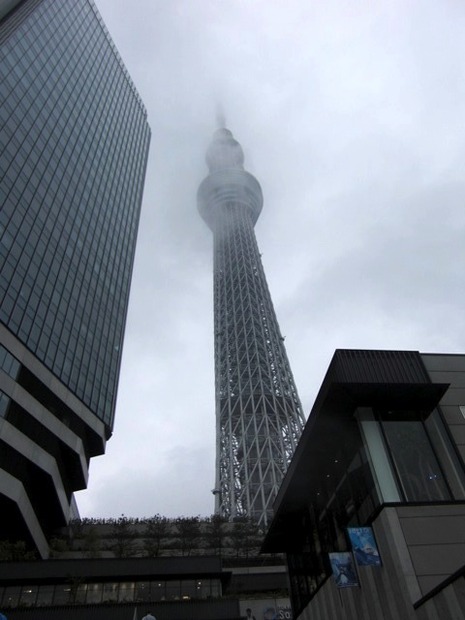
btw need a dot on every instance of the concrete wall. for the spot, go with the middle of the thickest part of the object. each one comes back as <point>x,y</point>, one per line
<point>409,540</point>
<point>450,369</point>
<point>449,603</point>
<point>435,537</point>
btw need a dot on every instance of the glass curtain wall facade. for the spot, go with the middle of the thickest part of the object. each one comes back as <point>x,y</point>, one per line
<point>94,593</point>
<point>74,142</point>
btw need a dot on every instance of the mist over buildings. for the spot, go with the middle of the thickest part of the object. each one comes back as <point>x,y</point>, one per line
<point>351,119</point>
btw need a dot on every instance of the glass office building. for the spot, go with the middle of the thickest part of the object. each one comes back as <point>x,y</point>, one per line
<point>74,142</point>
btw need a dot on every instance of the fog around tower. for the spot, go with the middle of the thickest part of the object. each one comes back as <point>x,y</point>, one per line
<point>351,117</point>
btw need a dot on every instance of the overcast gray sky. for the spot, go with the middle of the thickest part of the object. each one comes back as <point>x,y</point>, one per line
<point>351,115</point>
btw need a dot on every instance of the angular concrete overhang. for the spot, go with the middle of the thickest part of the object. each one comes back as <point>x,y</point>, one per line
<point>71,444</point>
<point>37,458</point>
<point>14,489</point>
<point>384,379</point>
<point>95,431</point>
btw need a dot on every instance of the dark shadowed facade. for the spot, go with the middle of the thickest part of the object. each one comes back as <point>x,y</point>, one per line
<point>384,447</point>
<point>114,588</point>
<point>74,144</point>
<point>173,588</point>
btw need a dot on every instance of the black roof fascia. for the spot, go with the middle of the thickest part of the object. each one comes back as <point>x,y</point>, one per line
<point>111,569</point>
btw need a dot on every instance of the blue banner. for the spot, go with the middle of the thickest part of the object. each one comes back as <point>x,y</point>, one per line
<point>364,546</point>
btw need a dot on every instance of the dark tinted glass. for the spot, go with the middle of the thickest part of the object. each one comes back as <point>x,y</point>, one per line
<point>73,144</point>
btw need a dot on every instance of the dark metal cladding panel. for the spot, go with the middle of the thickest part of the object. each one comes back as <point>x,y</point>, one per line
<point>109,568</point>
<point>362,366</point>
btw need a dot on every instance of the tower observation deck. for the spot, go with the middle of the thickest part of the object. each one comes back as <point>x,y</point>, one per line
<point>258,412</point>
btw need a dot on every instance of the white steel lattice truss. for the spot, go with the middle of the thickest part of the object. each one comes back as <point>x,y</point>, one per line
<point>258,412</point>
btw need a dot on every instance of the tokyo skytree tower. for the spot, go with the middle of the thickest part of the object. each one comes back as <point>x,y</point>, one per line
<point>258,412</point>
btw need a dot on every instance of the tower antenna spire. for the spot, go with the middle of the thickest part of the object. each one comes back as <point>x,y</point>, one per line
<point>220,116</point>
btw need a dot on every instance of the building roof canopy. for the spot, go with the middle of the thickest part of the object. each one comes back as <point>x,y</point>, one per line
<point>384,380</point>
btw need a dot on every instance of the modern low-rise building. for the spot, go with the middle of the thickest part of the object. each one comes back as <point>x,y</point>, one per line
<point>173,588</point>
<point>179,568</point>
<point>383,449</point>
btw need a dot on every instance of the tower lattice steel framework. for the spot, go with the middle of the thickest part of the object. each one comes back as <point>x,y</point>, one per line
<point>258,412</point>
